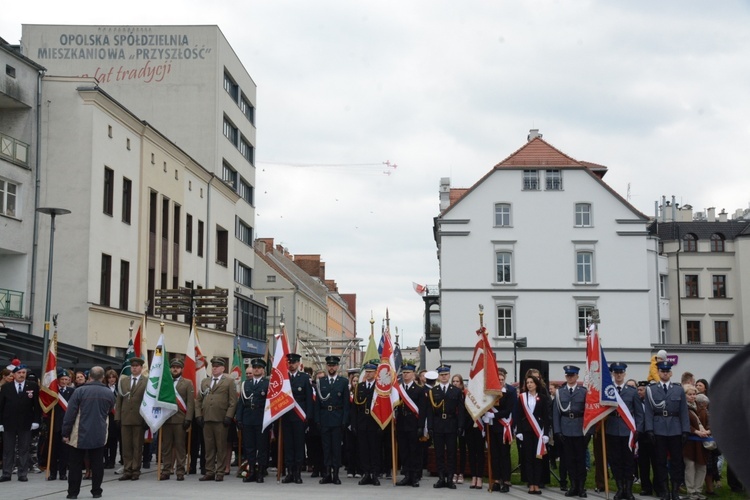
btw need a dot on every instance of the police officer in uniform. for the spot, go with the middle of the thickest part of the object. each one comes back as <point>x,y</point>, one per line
<point>250,409</point>
<point>215,409</point>
<point>410,419</point>
<point>617,433</point>
<point>332,414</point>
<point>132,426</point>
<point>293,425</point>
<point>173,437</point>
<point>368,432</point>
<point>567,422</point>
<point>667,424</point>
<point>646,459</point>
<point>445,420</point>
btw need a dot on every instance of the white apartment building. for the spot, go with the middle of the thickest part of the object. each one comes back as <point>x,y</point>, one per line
<point>540,241</point>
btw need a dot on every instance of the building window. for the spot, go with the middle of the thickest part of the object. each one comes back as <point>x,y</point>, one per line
<point>583,214</point>
<point>553,180</point>
<point>691,285</point>
<point>243,274</point>
<point>230,132</point>
<point>105,280</point>
<point>247,150</point>
<point>503,260</point>
<point>584,267</point>
<point>690,243</point>
<point>271,278</point>
<point>232,88</point>
<point>124,284</point>
<point>505,321</point>
<point>717,242</point>
<point>248,110</point>
<point>246,191</point>
<point>188,232</point>
<point>243,232</point>
<point>8,194</point>
<point>664,330</point>
<point>693,332</point>
<point>721,332</point>
<point>531,180</point>
<point>127,191</point>
<point>584,316</point>
<point>200,238</point>
<point>10,71</point>
<point>502,214</point>
<point>229,175</point>
<point>663,290</point>
<point>222,246</point>
<point>165,218</point>
<point>719,285</point>
<point>177,225</point>
<point>109,190</point>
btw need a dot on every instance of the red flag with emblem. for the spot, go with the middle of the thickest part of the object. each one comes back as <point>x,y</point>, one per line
<point>279,399</point>
<point>484,382</point>
<point>49,394</point>
<point>386,397</point>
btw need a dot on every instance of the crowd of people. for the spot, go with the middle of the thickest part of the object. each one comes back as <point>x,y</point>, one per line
<point>659,438</point>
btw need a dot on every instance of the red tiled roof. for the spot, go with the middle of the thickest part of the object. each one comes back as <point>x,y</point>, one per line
<point>538,153</point>
<point>456,194</point>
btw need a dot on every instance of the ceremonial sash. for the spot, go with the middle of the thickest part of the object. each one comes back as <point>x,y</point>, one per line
<point>624,412</point>
<point>507,424</point>
<point>407,400</point>
<point>180,402</point>
<point>541,450</point>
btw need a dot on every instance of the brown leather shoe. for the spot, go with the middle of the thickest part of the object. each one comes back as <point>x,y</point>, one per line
<point>125,477</point>
<point>135,478</point>
<point>207,477</point>
<point>180,477</point>
<point>164,477</point>
<point>219,479</point>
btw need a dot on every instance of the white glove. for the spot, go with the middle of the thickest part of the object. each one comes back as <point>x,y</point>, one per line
<point>545,439</point>
<point>2,428</point>
<point>34,426</point>
<point>519,437</point>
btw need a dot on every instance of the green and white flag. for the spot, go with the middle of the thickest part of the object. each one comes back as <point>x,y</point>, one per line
<point>160,401</point>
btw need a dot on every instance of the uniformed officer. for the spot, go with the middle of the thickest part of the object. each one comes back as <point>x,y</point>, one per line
<point>445,420</point>
<point>617,433</point>
<point>250,409</point>
<point>132,426</point>
<point>567,422</point>
<point>217,402</point>
<point>332,414</point>
<point>668,425</point>
<point>368,431</point>
<point>293,425</point>
<point>173,450</point>
<point>502,435</point>
<point>410,420</point>
<point>59,459</point>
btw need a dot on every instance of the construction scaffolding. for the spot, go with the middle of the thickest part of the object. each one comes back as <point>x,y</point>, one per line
<point>317,349</point>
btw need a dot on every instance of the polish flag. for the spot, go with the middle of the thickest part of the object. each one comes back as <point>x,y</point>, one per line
<point>280,399</point>
<point>195,361</point>
<point>49,394</point>
<point>420,289</point>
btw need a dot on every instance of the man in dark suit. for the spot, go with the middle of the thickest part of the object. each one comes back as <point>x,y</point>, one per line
<point>332,414</point>
<point>617,433</point>
<point>567,422</point>
<point>293,426</point>
<point>445,419</point>
<point>250,408</point>
<point>667,424</point>
<point>502,435</point>
<point>410,419</point>
<point>368,432</point>
<point>19,415</point>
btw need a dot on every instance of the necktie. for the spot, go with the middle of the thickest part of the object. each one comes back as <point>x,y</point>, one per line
<point>19,388</point>
<point>330,380</point>
<point>445,389</point>
<point>665,387</point>
<point>619,389</point>
<point>133,382</point>
<point>214,383</point>
<point>571,390</point>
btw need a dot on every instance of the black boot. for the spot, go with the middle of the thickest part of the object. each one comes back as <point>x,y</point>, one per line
<point>365,479</point>
<point>289,478</point>
<point>581,487</point>
<point>406,481</point>
<point>327,479</point>
<point>374,480</point>
<point>449,482</point>
<point>260,473</point>
<point>619,493</point>
<point>336,479</point>
<point>415,479</point>
<point>250,477</point>
<point>298,474</point>
<point>629,490</point>
<point>676,492</point>
<point>440,482</point>
<point>573,490</point>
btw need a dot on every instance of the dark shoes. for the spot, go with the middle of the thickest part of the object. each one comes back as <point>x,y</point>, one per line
<point>23,479</point>
<point>164,477</point>
<point>125,477</point>
<point>207,477</point>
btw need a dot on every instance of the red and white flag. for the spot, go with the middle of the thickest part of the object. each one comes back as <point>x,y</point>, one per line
<point>484,382</point>
<point>49,393</point>
<point>385,398</point>
<point>280,399</point>
<point>195,361</point>
<point>420,289</point>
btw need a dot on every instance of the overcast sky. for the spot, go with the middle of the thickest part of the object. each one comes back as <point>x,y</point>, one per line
<point>656,91</point>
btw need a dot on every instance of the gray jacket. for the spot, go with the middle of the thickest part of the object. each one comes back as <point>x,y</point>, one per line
<point>567,411</point>
<point>666,413</point>
<point>615,425</point>
<point>86,419</point>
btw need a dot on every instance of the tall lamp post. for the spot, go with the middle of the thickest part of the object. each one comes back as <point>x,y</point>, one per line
<point>52,212</point>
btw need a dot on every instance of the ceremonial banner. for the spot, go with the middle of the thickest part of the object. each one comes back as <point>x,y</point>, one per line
<point>279,399</point>
<point>484,382</point>
<point>370,353</point>
<point>159,401</point>
<point>601,398</point>
<point>385,398</point>
<point>195,361</point>
<point>49,393</point>
<point>238,367</point>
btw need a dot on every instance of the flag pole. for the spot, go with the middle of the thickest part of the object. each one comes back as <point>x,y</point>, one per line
<point>604,457</point>
<point>52,410</point>
<point>161,434</point>
<point>279,453</point>
<point>487,427</point>
<point>393,423</point>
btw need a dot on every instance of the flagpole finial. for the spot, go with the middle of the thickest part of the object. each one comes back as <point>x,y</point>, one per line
<point>481,316</point>
<point>54,319</point>
<point>161,325</point>
<point>372,319</point>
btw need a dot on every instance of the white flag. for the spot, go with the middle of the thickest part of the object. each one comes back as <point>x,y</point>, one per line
<point>159,401</point>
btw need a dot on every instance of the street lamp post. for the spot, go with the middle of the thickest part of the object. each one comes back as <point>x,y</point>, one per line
<point>52,212</point>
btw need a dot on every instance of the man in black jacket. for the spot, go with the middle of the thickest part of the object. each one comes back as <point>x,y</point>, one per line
<point>410,419</point>
<point>85,430</point>
<point>445,419</point>
<point>250,409</point>
<point>19,415</point>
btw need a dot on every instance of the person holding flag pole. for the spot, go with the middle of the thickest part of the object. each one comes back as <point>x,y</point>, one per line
<point>195,372</point>
<point>172,436</point>
<point>49,395</point>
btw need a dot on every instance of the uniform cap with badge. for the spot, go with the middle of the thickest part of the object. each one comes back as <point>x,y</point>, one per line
<point>332,360</point>
<point>217,361</point>
<point>571,370</point>
<point>258,363</point>
<point>618,367</point>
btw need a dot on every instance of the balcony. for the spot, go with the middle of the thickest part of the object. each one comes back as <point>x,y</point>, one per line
<point>14,150</point>
<point>11,303</point>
